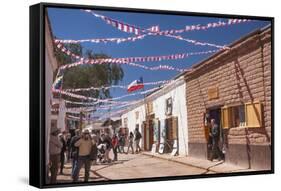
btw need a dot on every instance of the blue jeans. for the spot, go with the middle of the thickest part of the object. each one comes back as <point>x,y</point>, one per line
<point>74,165</point>
<point>82,160</point>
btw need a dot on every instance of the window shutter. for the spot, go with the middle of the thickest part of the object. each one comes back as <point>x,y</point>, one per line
<point>156,125</point>
<point>226,117</point>
<point>253,114</point>
<point>175,128</point>
<point>169,129</point>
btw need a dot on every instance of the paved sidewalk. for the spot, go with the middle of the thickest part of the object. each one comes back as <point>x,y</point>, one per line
<point>210,167</point>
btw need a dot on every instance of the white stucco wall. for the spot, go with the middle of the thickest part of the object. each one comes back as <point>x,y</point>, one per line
<point>179,110</point>
<point>177,93</point>
<point>131,116</point>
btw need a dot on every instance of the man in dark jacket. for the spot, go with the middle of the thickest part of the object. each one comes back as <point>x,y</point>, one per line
<point>74,150</point>
<point>138,137</point>
<point>63,150</point>
<point>214,134</point>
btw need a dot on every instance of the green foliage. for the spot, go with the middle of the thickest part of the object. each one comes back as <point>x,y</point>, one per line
<point>85,76</point>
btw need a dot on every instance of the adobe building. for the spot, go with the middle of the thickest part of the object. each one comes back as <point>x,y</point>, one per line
<point>161,119</point>
<point>233,87</point>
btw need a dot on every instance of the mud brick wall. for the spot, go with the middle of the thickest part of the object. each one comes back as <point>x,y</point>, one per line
<point>242,74</point>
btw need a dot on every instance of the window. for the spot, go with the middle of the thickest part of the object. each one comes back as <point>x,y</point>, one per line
<point>156,131</point>
<point>233,116</point>
<point>238,116</point>
<point>172,128</point>
<point>169,106</point>
<point>248,115</point>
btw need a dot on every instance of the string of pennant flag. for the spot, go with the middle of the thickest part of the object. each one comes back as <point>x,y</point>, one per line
<point>133,59</point>
<point>129,60</point>
<point>109,102</point>
<point>102,100</point>
<point>107,107</point>
<point>116,86</point>
<point>153,68</point>
<point>125,61</point>
<point>114,103</point>
<point>187,28</point>
<point>140,37</point>
<point>128,28</point>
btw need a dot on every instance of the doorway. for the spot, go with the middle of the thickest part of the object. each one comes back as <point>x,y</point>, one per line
<point>214,113</point>
<point>148,133</point>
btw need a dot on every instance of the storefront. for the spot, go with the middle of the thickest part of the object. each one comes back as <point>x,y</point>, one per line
<point>233,87</point>
<point>166,122</point>
<point>161,119</point>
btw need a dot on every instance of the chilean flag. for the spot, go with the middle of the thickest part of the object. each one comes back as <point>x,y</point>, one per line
<point>135,85</point>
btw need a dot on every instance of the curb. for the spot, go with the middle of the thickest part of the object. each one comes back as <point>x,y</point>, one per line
<point>183,163</point>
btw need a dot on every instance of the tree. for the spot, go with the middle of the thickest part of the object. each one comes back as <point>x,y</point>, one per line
<point>85,76</point>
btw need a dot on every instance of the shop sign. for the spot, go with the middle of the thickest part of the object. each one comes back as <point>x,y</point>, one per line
<point>213,93</point>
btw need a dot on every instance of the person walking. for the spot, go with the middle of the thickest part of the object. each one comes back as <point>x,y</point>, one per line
<point>85,146</point>
<point>106,140</point>
<point>115,146</point>
<point>55,147</point>
<point>214,134</point>
<point>122,143</point>
<point>74,151</point>
<point>138,137</point>
<point>119,141</point>
<point>94,151</point>
<point>63,150</point>
<point>131,141</point>
<point>68,141</point>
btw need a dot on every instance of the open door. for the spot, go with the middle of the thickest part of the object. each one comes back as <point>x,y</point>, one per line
<point>212,113</point>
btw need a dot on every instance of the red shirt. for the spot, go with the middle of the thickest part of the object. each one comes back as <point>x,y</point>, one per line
<point>114,141</point>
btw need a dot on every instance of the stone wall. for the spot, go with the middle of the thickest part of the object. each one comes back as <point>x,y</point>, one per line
<point>241,74</point>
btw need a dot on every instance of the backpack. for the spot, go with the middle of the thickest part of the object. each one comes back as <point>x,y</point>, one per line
<point>138,135</point>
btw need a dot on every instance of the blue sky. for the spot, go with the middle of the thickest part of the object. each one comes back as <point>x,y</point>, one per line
<point>77,24</point>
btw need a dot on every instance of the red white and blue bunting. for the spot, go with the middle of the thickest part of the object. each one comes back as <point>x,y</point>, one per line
<point>116,86</point>
<point>114,103</point>
<point>128,28</point>
<point>102,100</point>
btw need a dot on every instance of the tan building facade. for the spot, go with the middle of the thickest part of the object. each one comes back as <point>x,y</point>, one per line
<point>234,87</point>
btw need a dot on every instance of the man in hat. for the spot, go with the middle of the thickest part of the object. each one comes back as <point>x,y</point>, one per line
<point>55,147</point>
<point>74,151</point>
<point>62,139</point>
<point>138,137</point>
<point>85,145</point>
<point>215,141</point>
